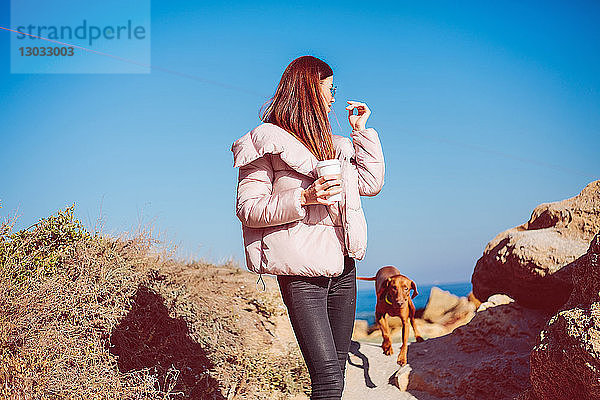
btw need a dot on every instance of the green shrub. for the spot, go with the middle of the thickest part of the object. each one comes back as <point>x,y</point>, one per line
<point>39,250</point>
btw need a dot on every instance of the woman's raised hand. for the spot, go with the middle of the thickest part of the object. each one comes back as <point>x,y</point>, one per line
<point>320,190</point>
<point>358,122</point>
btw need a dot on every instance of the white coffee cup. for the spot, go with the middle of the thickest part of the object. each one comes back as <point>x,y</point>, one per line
<point>330,167</point>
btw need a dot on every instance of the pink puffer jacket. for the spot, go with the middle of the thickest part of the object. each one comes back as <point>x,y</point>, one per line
<point>282,237</point>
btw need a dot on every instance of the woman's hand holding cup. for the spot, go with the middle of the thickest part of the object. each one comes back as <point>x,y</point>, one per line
<point>321,189</point>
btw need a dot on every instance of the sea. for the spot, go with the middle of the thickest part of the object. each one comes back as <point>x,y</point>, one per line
<point>366,298</point>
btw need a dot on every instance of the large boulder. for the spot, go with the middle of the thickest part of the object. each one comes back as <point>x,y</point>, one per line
<point>447,309</point>
<point>525,262</point>
<point>360,330</point>
<point>439,303</point>
<point>488,358</point>
<point>565,363</point>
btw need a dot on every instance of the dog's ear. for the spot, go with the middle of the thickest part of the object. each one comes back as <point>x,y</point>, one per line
<point>413,286</point>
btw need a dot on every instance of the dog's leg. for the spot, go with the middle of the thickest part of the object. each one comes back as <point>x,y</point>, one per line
<point>404,349</point>
<point>386,345</point>
<point>411,309</point>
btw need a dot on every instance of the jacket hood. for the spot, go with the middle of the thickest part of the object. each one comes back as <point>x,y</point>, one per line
<point>270,138</point>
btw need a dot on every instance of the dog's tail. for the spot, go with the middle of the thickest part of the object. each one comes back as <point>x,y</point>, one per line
<point>366,279</point>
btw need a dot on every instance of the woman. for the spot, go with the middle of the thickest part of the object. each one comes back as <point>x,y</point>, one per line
<point>290,227</point>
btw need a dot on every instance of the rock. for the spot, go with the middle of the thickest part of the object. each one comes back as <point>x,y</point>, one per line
<point>527,395</point>
<point>400,377</point>
<point>439,303</point>
<point>495,300</point>
<point>488,358</point>
<point>448,310</point>
<point>360,329</point>
<point>565,362</point>
<point>429,330</point>
<point>395,323</point>
<point>471,297</point>
<point>461,314</point>
<point>525,262</point>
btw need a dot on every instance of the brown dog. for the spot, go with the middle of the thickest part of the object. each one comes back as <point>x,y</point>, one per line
<point>393,298</point>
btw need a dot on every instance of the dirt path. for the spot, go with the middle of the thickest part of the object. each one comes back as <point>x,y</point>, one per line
<point>369,371</point>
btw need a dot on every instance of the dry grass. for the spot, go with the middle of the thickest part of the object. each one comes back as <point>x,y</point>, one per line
<point>94,317</point>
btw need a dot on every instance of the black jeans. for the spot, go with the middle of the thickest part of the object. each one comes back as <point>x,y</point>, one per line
<point>321,311</point>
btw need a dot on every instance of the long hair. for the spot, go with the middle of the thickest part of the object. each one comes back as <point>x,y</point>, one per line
<point>298,106</point>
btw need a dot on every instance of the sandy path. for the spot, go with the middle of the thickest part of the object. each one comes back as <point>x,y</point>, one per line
<point>368,372</point>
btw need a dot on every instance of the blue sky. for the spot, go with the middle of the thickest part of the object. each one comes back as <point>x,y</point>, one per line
<point>484,110</point>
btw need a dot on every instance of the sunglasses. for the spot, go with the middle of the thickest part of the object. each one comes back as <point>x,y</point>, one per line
<point>332,89</point>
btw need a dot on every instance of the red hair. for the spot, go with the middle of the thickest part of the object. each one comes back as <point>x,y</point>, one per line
<point>298,105</point>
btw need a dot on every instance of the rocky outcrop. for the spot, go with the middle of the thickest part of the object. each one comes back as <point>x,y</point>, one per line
<point>447,309</point>
<point>486,359</point>
<point>526,262</point>
<point>565,363</point>
<point>360,330</point>
<point>439,303</point>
